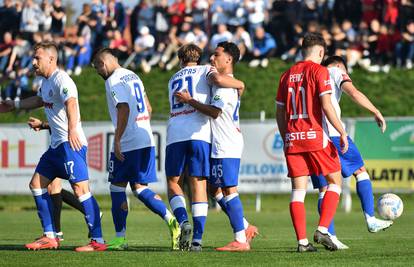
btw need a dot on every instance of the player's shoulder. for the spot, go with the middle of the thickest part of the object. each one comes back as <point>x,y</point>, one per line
<point>335,71</point>
<point>61,78</point>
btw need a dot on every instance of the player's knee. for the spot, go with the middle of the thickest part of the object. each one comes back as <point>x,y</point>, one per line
<point>80,190</point>
<point>124,206</point>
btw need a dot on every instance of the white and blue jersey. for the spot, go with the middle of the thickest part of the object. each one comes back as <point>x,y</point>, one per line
<point>60,160</point>
<point>189,131</point>
<point>227,141</point>
<point>351,161</point>
<point>137,141</point>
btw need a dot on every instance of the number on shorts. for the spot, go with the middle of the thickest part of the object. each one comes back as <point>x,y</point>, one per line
<point>304,113</point>
<point>217,171</point>
<point>69,167</point>
<point>111,166</point>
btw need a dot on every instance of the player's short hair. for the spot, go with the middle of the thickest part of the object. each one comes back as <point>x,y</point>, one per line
<point>103,51</point>
<point>50,46</point>
<point>310,40</point>
<point>232,49</point>
<point>189,53</point>
<point>334,59</point>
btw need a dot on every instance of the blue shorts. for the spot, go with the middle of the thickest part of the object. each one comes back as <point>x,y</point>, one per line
<point>351,161</point>
<point>138,167</point>
<point>65,163</point>
<point>224,172</point>
<point>193,153</point>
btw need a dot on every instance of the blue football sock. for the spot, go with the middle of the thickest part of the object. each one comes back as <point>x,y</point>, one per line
<point>44,210</point>
<point>119,209</point>
<point>178,206</point>
<point>199,210</point>
<point>147,196</point>
<point>331,228</point>
<point>235,212</point>
<point>92,215</point>
<point>364,190</point>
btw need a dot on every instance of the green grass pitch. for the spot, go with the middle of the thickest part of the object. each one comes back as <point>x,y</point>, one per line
<point>149,240</point>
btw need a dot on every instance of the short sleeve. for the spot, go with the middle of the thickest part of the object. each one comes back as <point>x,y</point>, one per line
<point>119,94</point>
<point>219,98</point>
<point>210,70</point>
<point>67,89</point>
<point>281,93</point>
<point>339,77</point>
<point>323,81</point>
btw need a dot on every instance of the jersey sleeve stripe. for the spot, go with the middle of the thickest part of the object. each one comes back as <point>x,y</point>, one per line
<point>280,103</point>
<point>344,81</point>
<point>326,92</point>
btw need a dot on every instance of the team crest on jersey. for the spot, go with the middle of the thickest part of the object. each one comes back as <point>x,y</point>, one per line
<point>50,93</point>
<point>65,91</point>
<point>113,93</point>
<point>216,97</point>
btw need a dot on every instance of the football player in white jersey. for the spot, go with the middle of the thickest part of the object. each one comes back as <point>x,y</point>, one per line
<point>188,141</point>
<point>133,156</point>
<point>351,161</point>
<point>227,140</point>
<point>66,156</point>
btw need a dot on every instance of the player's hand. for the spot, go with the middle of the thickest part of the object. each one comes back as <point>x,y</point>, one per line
<point>74,140</point>
<point>117,151</point>
<point>380,121</point>
<point>344,143</point>
<point>183,96</point>
<point>35,124</point>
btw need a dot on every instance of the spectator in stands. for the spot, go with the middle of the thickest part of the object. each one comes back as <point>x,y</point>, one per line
<point>243,41</point>
<point>9,18</point>
<point>405,48</point>
<point>17,86</point>
<point>80,58</point>
<point>119,45</point>
<point>58,18</point>
<point>222,35</point>
<point>30,19</point>
<point>200,13</point>
<point>87,25</point>
<point>264,46</point>
<point>143,49</point>
<point>45,16</point>
<point>22,53</point>
<point>256,14</point>
<point>116,13</point>
<point>176,12</point>
<point>5,50</point>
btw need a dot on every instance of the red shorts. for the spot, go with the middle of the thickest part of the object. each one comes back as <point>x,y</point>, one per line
<point>323,161</point>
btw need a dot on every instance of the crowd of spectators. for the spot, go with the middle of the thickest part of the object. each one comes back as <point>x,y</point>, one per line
<point>374,34</point>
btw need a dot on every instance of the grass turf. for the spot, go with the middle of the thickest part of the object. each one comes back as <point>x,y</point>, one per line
<point>149,239</point>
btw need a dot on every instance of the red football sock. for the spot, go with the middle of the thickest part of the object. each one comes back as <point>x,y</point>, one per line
<point>329,205</point>
<point>298,215</point>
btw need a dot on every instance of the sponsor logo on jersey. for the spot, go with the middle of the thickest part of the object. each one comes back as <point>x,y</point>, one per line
<point>216,98</point>
<point>113,93</point>
<point>50,93</point>
<point>65,91</point>
<point>300,136</point>
<point>327,82</point>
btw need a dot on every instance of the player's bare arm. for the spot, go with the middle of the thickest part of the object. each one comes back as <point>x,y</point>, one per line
<point>333,119</point>
<point>122,121</point>
<point>281,120</point>
<point>226,81</point>
<point>362,100</point>
<point>27,103</point>
<point>73,120</point>
<point>185,97</point>
<point>148,104</point>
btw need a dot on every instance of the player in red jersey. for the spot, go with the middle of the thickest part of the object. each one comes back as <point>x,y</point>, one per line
<point>303,98</point>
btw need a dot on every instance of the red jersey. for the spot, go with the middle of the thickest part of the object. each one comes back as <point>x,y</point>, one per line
<point>299,92</point>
